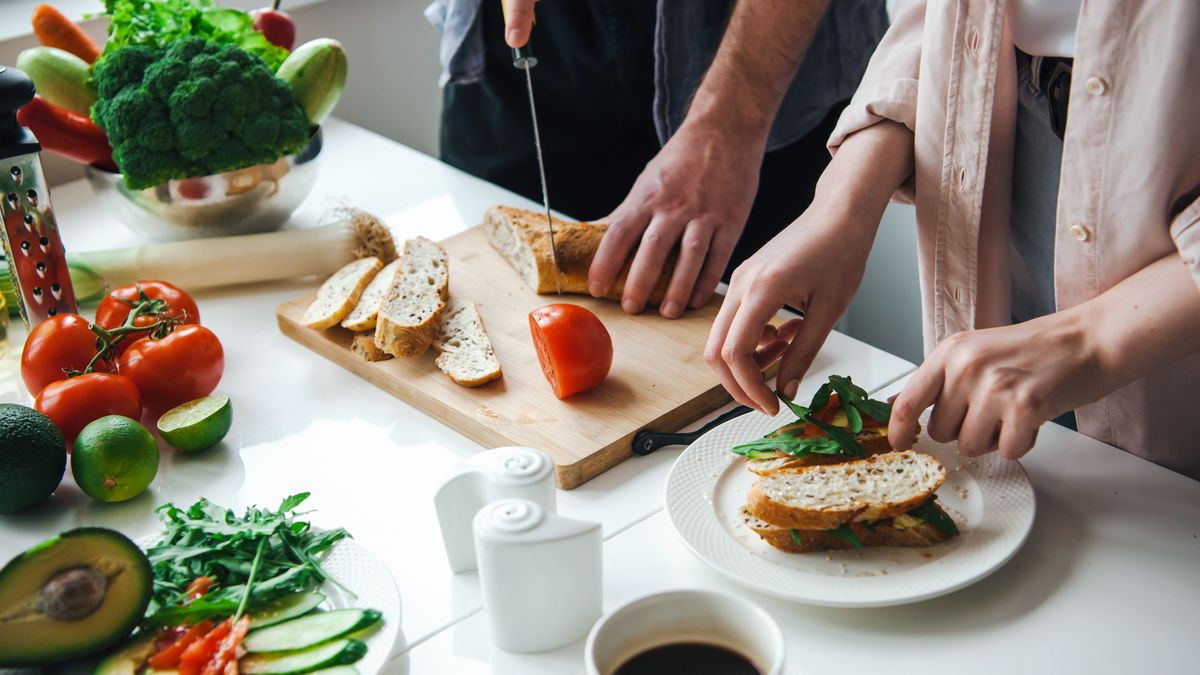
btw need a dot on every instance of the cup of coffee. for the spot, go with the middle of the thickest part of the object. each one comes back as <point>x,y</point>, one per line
<point>686,631</point>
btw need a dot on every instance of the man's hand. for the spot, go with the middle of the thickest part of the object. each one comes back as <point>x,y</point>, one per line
<point>694,195</point>
<point>518,22</point>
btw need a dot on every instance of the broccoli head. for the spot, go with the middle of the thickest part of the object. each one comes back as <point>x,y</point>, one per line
<point>193,109</point>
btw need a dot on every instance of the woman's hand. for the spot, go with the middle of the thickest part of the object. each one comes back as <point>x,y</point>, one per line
<point>991,389</point>
<point>815,266</point>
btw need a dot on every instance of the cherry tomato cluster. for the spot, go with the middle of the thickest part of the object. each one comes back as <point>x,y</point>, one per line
<point>146,351</point>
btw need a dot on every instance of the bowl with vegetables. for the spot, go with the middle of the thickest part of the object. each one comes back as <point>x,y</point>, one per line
<point>199,120</point>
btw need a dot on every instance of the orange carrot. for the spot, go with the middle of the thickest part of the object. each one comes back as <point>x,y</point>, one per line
<point>53,29</point>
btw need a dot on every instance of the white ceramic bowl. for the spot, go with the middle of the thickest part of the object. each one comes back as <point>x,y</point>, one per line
<point>686,615</point>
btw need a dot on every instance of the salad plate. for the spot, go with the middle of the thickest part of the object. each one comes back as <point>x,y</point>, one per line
<point>990,499</point>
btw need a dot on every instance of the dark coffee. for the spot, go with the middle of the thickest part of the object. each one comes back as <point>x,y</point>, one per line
<point>694,658</point>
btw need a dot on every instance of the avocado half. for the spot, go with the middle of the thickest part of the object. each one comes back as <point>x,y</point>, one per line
<point>71,595</point>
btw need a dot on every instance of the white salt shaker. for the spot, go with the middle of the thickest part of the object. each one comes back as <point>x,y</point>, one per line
<point>541,575</point>
<point>502,473</point>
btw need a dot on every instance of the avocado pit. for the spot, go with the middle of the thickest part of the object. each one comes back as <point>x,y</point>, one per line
<point>73,594</point>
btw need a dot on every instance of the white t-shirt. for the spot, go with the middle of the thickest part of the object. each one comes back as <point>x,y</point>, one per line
<point>1045,27</point>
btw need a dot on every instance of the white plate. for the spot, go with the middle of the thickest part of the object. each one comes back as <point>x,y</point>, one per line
<point>990,499</point>
<point>371,587</point>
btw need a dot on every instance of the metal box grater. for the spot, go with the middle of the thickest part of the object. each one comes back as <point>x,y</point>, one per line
<point>32,245</point>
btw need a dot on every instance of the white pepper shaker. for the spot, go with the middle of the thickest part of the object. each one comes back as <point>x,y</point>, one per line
<point>540,573</point>
<point>502,473</point>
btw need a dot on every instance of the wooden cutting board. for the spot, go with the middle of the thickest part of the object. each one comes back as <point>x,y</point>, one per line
<point>658,380</point>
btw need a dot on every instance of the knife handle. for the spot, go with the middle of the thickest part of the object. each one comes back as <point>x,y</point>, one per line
<point>523,57</point>
<point>646,442</point>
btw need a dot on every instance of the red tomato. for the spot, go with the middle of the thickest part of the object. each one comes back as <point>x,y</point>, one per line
<point>59,343</point>
<point>171,653</point>
<point>200,652</point>
<point>74,403</point>
<point>178,368</point>
<point>114,308</point>
<point>573,347</point>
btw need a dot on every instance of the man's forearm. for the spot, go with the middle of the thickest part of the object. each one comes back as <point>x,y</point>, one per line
<point>762,48</point>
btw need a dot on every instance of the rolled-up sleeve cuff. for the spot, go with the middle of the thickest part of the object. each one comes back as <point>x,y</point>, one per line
<point>891,100</point>
<point>1185,230</point>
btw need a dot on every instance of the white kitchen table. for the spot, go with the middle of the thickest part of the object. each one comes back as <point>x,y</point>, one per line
<point>302,423</point>
<point>1108,582</point>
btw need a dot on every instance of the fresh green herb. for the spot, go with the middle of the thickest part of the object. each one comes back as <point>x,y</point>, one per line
<point>158,23</point>
<point>837,440</point>
<point>933,514</point>
<point>254,558</point>
<point>870,526</point>
<point>796,446</point>
<point>854,397</point>
<point>821,398</point>
<point>846,534</point>
<point>795,537</point>
<point>843,438</point>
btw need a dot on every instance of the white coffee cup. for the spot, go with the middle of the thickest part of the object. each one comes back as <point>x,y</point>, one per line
<point>686,615</point>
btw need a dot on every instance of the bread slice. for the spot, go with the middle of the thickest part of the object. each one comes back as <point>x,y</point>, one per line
<point>466,352</point>
<point>339,294</point>
<point>823,497</point>
<point>890,532</point>
<point>363,316</point>
<point>412,312</point>
<point>523,239</point>
<point>874,441</point>
<point>363,346</point>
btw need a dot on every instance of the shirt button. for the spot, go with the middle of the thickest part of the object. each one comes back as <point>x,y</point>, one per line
<point>1080,232</point>
<point>1096,86</point>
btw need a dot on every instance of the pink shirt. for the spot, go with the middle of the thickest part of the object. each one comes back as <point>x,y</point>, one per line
<point>1129,192</point>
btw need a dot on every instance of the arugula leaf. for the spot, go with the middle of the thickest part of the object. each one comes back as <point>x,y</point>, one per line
<point>843,438</point>
<point>796,446</point>
<point>853,419</point>
<point>795,537</point>
<point>800,411</point>
<point>933,514</point>
<point>846,534</point>
<point>821,398</point>
<point>854,399</point>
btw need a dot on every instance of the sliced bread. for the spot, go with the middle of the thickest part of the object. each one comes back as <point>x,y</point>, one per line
<point>363,346</point>
<point>466,352</point>
<point>339,294</point>
<point>884,533</point>
<point>823,497</point>
<point>412,312</point>
<point>874,441</point>
<point>363,316</point>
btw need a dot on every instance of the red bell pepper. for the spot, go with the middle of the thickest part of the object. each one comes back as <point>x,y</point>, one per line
<point>67,133</point>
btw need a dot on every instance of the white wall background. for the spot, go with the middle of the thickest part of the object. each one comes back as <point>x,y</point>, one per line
<point>392,90</point>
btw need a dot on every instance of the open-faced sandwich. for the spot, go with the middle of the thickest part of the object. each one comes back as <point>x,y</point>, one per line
<point>841,423</point>
<point>887,500</point>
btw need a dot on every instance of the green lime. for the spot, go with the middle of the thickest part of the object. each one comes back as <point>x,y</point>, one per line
<point>198,424</point>
<point>114,459</point>
<point>33,457</point>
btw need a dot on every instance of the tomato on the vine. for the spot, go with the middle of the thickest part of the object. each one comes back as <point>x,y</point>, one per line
<point>573,346</point>
<point>74,403</point>
<point>115,307</point>
<point>56,345</point>
<point>182,366</point>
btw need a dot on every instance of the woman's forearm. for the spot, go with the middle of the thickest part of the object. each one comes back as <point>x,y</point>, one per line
<point>1147,321</point>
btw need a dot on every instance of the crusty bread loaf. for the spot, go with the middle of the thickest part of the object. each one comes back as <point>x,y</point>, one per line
<point>874,441</point>
<point>339,294</point>
<point>363,316</point>
<point>884,533</point>
<point>412,312</point>
<point>823,497</point>
<point>363,346</point>
<point>466,352</point>
<point>523,239</point>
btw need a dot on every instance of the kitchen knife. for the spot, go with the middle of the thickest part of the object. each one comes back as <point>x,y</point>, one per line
<point>646,442</point>
<point>32,245</point>
<point>524,58</point>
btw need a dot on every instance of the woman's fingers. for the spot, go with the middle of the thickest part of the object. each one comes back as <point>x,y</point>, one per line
<point>809,335</point>
<point>1017,435</point>
<point>920,393</point>
<point>712,350</point>
<point>980,430</point>
<point>740,347</point>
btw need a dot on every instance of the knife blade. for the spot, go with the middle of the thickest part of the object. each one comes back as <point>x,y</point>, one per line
<point>524,59</point>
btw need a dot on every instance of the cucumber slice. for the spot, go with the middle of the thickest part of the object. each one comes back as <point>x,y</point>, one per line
<point>285,609</point>
<point>309,630</point>
<point>340,652</point>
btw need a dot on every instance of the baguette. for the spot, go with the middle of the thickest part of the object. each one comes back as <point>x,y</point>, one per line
<point>523,239</point>
<point>825,496</point>
<point>363,346</point>
<point>466,354</point>
<point>412,312</point>
<point>338,296</point>
<point>883,533</point>
<point>363,316</point>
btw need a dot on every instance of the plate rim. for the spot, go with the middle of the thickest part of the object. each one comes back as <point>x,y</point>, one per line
<point>698,446</point>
